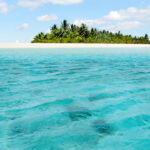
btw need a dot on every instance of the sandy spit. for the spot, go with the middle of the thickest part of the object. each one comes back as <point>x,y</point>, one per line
<point>62,45</point>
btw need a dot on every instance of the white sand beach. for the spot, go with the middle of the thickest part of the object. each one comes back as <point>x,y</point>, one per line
<point>70,45</point>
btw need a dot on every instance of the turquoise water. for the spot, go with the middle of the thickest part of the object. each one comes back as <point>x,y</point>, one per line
<point>74,102</point>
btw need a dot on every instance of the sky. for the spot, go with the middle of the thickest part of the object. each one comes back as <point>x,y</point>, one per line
<point>21,20</point>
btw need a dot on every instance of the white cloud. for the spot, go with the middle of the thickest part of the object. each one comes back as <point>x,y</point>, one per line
<point>29,4</point>
<point>124,14</point>
<point>115,16</point>
<point>122,26</point>
<point>46,18</point>
<point>37,3</point>
<point>3,7</point>
<point>22,27</point>
<point>65,2</point>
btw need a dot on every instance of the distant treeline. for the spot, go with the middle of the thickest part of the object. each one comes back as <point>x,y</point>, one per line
<point>70,33</point>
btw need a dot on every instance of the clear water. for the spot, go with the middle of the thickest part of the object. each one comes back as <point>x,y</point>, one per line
<point>74,102</point>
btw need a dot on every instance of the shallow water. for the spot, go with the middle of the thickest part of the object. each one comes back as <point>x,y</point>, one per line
<point>74,102</point>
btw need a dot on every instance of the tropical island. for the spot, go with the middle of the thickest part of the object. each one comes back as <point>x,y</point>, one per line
<point>71,33</point>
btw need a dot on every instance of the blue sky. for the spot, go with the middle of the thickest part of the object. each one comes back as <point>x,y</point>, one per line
<point>21,20</point>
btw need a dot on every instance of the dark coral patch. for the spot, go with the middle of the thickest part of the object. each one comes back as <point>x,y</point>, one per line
<point>102,127</point>
<point>76,114</point>
<point>17,130</point>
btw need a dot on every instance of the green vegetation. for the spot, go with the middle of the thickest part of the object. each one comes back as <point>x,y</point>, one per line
<point>70,33</point>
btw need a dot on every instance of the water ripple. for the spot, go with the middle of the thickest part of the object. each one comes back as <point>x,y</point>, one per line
<point>74,102</point>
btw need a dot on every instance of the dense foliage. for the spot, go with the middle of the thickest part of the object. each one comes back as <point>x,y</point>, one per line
<point>67,33</point>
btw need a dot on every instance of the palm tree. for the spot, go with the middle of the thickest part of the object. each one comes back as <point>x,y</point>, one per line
<point>94,32</point>
<point>54,27</point>
<point>86,34</point>
<point>83,29</point>
<point>65,25</point>
<point>41,35</point>
<point>61,32</point>
<point>146,36</point>
<point>73,27</point>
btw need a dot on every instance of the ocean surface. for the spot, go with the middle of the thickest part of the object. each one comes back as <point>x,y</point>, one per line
<point>74,102</point>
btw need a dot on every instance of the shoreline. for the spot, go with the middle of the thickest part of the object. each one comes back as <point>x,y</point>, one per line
<point>70,45</point>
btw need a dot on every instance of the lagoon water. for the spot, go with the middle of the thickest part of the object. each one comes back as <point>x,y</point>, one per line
<point>74,102</point>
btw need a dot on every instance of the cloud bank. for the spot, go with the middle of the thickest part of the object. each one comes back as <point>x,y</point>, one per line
<point>125,18</point>
<point>37,3</point>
